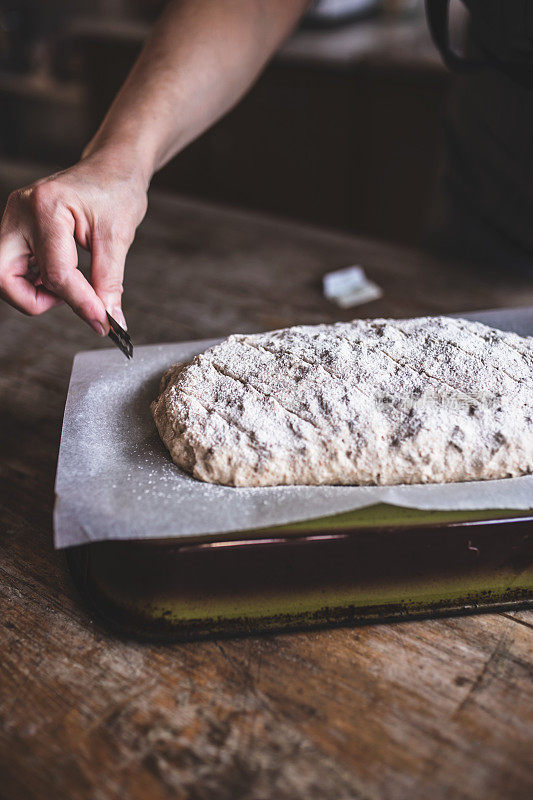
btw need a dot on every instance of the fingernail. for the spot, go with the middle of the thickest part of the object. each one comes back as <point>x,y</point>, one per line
<point>116,313</point>
<point>98,327</point>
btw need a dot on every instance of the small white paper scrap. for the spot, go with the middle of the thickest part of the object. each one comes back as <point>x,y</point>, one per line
<point>350,287</point>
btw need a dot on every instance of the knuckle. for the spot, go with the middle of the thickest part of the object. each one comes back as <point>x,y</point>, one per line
<point>53,281</point>
<point>42,197</point>
<point>114,234</point>
<point>14,197</point>
<point>12,208</point>
<point>111,285</point>
<point>87,310</point>
<point>38,197</point>
<point>125,237</point>
<point>120,233</point>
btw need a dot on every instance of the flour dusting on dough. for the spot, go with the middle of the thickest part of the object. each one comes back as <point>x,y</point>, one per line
<point>427,400</point>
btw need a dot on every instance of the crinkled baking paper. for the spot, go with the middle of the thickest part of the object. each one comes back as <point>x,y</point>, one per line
<point>115,479</point>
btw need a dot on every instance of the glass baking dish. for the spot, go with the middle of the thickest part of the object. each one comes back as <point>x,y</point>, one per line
<point>378,563</point>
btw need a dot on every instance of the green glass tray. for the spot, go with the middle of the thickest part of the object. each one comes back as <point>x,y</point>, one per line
<point>377,563</point>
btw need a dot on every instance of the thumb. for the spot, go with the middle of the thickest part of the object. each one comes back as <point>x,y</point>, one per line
<point>108,256</point>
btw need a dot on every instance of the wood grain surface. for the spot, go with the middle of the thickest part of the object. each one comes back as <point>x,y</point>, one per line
<point>433,709</point>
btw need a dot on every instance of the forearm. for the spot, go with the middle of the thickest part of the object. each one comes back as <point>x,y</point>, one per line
<point>199,60</point>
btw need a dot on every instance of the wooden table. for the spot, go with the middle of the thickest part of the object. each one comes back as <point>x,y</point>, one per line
<point>432,709</point>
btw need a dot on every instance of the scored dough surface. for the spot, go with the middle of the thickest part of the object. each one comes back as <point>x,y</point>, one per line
<point>424,400</point>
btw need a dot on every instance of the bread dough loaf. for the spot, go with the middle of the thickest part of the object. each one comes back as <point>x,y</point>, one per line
<point>381,401</point>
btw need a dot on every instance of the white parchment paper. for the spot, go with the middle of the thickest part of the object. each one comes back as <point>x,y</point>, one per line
<point>115,479</point>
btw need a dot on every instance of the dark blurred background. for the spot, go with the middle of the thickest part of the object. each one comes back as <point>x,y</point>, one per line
<point>343,129</point>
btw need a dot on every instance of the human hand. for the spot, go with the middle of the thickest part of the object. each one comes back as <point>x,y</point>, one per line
<point>97,203</point>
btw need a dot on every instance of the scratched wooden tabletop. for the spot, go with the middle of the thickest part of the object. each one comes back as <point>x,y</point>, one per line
<point>433,709</point>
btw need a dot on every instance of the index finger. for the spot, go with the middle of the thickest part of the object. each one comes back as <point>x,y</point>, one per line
<point>55,251</point>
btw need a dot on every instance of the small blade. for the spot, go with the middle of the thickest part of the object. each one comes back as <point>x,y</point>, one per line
<point>119,336</point>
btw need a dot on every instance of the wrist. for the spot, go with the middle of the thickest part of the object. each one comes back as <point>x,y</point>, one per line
<point>125,160</point>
